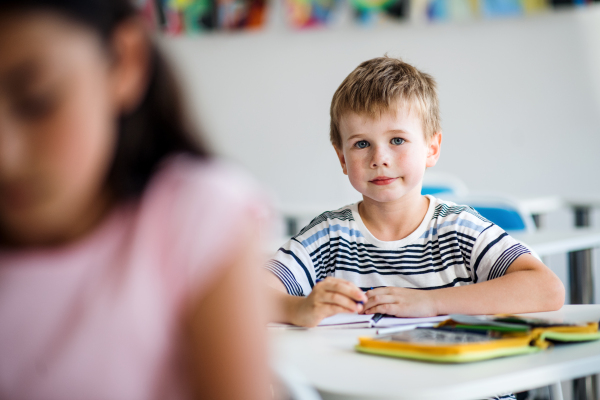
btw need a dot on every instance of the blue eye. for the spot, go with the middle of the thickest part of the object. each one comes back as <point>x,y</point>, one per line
<point>362,144</point>
<point>397,141</point>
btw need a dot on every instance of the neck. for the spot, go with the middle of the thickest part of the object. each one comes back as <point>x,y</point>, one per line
<point>394,220</point>
<point>55,231</point>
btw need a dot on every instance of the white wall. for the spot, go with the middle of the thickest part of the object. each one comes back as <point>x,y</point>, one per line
<point>520,100</point>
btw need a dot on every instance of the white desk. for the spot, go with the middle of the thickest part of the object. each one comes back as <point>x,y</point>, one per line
<point>591,201</point>
<point>327,359</point>
<point>582,208</point>
<point>548,242</point>
<point>540,204</point>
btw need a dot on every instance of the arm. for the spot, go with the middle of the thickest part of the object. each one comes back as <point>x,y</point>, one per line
<point>328,297</point>
<point>527,286</point>
<point>224,334</point>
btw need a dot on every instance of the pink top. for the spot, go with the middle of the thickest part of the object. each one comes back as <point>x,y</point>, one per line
<point>98,319</point>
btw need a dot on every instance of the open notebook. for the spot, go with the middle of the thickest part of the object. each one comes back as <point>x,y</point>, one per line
<point>375,321</point>
<point>370,321</point>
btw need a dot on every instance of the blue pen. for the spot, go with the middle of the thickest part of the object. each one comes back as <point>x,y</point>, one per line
<point>377,317</point>
<point>357,302</point>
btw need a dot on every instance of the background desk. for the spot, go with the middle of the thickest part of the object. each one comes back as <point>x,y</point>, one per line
<point>550,242</point>
<point>328,360</point>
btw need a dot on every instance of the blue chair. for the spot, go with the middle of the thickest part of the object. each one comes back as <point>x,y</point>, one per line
<point>501,210</point>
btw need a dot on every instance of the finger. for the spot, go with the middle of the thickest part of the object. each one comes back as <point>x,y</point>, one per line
<point>341,300</point>
<point>379,299</point>
<point>324,293</point>
<point>324,311</point>
<point>344,287</point>
<point>341,286</point>
<point>332,309</point>
<point>329,310</point>
<point>387,309</point>
<point>380,291</point>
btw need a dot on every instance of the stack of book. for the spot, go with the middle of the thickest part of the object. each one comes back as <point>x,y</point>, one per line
<point>464,338</point>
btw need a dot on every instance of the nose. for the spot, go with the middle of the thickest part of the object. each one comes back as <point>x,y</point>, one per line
<point>380,157</point>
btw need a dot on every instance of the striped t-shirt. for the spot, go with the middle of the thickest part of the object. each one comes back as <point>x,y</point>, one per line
<point>453,246</point>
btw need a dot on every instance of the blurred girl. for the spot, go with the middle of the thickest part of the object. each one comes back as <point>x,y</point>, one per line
<point>127,257</point>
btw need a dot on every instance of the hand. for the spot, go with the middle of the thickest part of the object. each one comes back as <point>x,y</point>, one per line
<point>328,297</point>
<point>400,302</point>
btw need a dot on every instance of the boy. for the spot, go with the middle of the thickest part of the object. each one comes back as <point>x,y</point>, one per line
<point>366,257</point>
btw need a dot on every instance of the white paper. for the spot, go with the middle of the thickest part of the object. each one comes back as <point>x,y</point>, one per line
<point>366,321</point>
<point>348,319</point>
<point>393,321</point>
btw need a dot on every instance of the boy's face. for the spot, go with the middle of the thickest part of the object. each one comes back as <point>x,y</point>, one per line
<point>385,158</point>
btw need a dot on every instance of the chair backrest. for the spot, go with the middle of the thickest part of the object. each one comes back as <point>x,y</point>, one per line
<point>443,184</point>
<point>504,211</point>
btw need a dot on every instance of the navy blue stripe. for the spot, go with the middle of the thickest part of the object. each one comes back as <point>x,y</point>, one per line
<point>446,242</point>
<point>406,259</point>
<point>342,215</point>
<point>363,271</point>
<point>451,284</point>
<point>482,254</point>
<point>450,235</point>
<point>341,250</point>
<point>275,268</point>
<point>443,210</point>
<point>343,257</point>
<point>506,259</point>
<point>291,253</point>
<point>348,256</point>
<point>365,289</point>
<point>491,224</point>
<point>286,277</point>
<point>349,260</point>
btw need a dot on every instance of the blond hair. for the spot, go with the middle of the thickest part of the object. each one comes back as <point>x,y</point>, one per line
<point>376,85</point>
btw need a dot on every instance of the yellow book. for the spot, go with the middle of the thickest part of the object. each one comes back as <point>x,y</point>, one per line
<point>468,338</point>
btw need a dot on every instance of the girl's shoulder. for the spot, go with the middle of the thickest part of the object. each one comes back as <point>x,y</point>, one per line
<point>187,186</point>
<point>207,177</point>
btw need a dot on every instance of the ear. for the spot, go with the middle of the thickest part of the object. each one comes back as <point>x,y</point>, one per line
<point>131,64</point>
<point>433,149</point>
<point>342,159</point>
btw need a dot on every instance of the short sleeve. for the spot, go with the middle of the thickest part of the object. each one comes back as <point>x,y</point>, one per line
<point>493,252</point>
<point>293,266</point>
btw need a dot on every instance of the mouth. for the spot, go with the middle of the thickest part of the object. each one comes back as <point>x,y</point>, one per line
<point>382,180</point>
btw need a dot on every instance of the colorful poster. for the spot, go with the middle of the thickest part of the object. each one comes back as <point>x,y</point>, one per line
<point>241,14</point>
<point>501,8</point>
<point>534,6</point>
<point>309,13</point>
<point>369,12</point>
<point>456,10</point>
<point>176,17</point>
